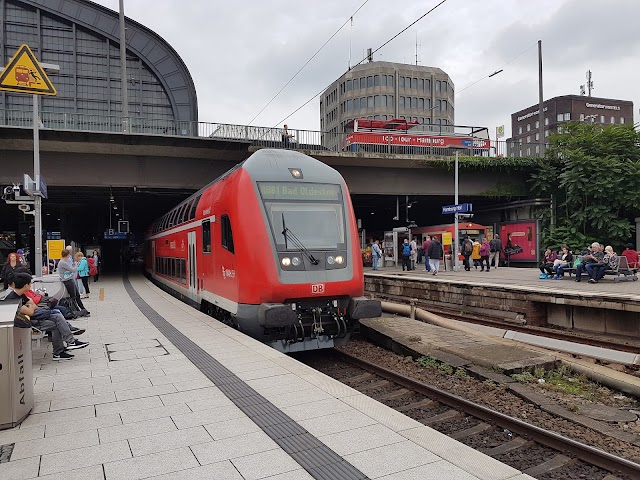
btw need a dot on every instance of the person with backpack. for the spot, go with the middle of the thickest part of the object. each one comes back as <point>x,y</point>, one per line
<point>435,253</point>
<point>467,250</point>
<point>406,255</point>
<point>495,247</point>
<point>425,251</point>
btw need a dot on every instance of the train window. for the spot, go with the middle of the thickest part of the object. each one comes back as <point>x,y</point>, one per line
<point>227,235</point>
<point>206,236</point>
<point>194,207</point>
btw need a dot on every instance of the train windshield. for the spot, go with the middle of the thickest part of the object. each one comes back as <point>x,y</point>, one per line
<point>314,216</point>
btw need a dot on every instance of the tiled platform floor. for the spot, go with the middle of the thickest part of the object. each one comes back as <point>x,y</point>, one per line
<point>131,406</point>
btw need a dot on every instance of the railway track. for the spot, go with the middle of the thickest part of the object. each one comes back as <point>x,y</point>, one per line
<point>540,453</point>
<point>569,336</point>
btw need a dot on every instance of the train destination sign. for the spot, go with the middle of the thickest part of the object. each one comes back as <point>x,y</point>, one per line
<point>299,191</point>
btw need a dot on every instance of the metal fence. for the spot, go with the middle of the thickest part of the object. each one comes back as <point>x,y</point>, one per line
<point>270,137</point>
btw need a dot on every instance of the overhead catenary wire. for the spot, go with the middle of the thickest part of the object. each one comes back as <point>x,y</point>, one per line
<point>350,19</point>
<point>372,52</point>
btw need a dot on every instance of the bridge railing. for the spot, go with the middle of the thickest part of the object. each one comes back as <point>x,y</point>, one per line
<point>269,137</point>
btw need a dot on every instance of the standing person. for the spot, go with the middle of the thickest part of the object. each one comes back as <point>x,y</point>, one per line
<point>98,264</point>
<point>414,253</point>
<point>495,247</point>
<point>485,250</point>
<point>68,271</point>
<point>467,250</point>
<point>83,272</point>
<point>9,266</point>
<point>376,254</point>
<point>435,253</point>
<point>286,137</point>
<point>406,255</point>
<point>475,254</point>
<point>425,251</point>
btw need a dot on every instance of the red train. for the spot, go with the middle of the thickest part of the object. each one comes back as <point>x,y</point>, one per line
<point>270,247</point>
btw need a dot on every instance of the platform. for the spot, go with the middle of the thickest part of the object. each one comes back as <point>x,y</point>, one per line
<point>517,294</point>
<point>166,392</point>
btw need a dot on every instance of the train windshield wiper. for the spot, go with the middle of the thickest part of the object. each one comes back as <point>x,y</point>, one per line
<point>288,235</point>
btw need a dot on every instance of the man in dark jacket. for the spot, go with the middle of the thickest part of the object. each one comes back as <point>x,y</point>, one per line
<point>435,253</point>
<point>467,250</point>
<point>495,247</point>
<point>425,252</point>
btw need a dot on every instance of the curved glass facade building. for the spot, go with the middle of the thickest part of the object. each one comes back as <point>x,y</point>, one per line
<point>83,39</point>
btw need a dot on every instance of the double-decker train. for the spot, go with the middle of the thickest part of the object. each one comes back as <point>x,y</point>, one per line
<point>270,247</point>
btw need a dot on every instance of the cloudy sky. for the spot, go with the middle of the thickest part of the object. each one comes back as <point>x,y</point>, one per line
<point>241,54</point>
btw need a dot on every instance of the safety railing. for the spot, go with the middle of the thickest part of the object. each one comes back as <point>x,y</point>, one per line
<point>429,140</point>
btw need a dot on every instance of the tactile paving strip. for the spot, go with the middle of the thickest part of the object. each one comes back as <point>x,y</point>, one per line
<point>314,456</point>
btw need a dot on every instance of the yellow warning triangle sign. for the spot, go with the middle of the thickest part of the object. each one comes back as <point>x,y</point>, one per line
<point>24,74</point>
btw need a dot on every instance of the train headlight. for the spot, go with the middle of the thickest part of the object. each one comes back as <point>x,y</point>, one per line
<point>286,261</point>
<point>331,260</point>
<point>339,259</point>
<point>295,261</point>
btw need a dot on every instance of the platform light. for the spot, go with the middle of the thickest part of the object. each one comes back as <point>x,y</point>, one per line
<point>296,173</point>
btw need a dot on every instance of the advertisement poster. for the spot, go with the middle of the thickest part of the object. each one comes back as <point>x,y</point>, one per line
<point>520,241</point>
<point>388,246</point>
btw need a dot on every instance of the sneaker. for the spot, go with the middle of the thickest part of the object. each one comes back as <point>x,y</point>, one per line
<point>84,313</point>
<point>78,331</point>
<point>591,280</point>
<point>76,345</point>
<point>62,356</point>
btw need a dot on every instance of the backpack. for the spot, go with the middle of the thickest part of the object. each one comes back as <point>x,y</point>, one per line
<point>93,270</point>
<point>468,247</point>
<point>406,250</point>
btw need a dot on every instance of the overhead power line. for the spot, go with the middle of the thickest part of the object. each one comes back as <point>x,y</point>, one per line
<point>374,51</point>
<point>350,19</point>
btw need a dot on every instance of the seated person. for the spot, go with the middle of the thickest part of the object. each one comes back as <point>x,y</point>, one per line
<point>610,261</point>
<point>631,255</point>
<point>595,257</point>
<point>546,267</point>
<point>53,322</point>
<point>564,261</point>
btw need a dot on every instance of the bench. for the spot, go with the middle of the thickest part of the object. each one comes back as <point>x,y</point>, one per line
<point>621,272</point>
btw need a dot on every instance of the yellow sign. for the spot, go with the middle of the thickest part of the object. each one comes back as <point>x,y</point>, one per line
<point>446,238</point>
<point>23,74</point>
<point>54,249</point>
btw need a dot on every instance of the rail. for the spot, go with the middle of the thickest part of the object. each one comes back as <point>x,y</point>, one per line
<point>394,143</point>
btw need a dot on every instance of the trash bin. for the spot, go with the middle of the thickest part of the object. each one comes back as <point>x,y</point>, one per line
<point>448,263</point>
<point>16,370</point>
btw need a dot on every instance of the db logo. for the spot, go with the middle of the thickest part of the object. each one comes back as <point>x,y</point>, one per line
<point>317,288</point>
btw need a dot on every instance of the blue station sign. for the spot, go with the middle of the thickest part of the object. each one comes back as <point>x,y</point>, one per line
<point>460,208</point>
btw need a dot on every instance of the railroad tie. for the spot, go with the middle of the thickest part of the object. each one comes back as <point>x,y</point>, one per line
<point>392,395</point>
<point>507,447</point>
<point>556,463</point>
<point>374,385</point>
<point>469,432</point>
<point>448,415</point>
<point>358,378</point>
<point>426,403</point>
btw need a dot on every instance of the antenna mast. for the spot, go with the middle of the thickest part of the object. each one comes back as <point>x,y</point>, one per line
<point>350,34</point>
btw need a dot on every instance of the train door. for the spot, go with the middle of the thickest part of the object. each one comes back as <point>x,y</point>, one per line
<point>193,274</point>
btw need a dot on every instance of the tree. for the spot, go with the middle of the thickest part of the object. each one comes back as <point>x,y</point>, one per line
<point>592,172</point>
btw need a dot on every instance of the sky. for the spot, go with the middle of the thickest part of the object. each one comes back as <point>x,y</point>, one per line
<point>241,55</point>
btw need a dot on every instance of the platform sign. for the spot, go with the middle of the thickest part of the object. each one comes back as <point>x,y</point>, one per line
<point>460,208</point>
<point>54,249</point>
<point>24,74</point>
<point>111,235</point>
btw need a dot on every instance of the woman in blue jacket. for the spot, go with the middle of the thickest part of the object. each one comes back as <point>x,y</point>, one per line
<point>83,271</point>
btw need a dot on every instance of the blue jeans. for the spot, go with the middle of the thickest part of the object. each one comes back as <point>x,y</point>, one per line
<point>596,270</point>
<point>579,269</point>
<point>374,257</point>
<point>427,267</point>
<point>559,269</point>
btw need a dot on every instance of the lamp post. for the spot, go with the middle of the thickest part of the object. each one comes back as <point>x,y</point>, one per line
<point>123,70</point>
<point>37,200</point>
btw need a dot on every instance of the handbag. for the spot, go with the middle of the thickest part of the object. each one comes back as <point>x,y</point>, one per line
<point>21,320</point>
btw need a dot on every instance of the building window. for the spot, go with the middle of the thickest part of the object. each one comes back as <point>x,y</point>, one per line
<point>601,118</point>
<point>529,139</point>
<point>227,235</point>
<point>376,101</point>
<point>206,236</point>
<point>567,116</point>
<point>613,120</point>
<point>383,80</point>
<point>349,105</point>
<point>363,83</point>
<point>537,124</point>
<point>349,85</point>
<point>389,100</point>
<point>401,102</point>
<point>369,102</point>
<point>421,103</point>
<point>421,84</point>
<point>444,86</point>
<point>520,130</point>
<point>529,151</point>
<point>414,102</point>
<point>438,84</point>
<point>414,83</point>
<point>443,106</point>
<point>537,136</point>
<point>546,133</point>
<point>427,85</point>
<point>401,82</point>
<point>546,120</point>
<point>537,148</point>
<point>369,82</point>
<point>528,127</point>
<point>376,80</point>
<point>621,120</point>
<point>582,117</point>
<point>560,117</point>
